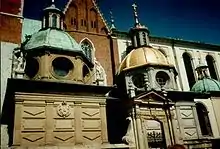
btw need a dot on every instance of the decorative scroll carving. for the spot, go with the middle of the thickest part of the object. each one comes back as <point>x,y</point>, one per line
<point>63,110</point>
<point>129,136</point>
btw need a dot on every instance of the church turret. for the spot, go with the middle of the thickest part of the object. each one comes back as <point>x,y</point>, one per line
<point>139,34</point>
<point>205,82</point>
<point>53,17</point>
<point>52,54</point>
<point>202,71</point>
<point>145,68</point>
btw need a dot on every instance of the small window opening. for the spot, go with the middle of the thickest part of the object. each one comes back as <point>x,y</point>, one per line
<point>54,20</point>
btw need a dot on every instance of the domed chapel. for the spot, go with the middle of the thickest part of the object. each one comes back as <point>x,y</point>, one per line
<point>78,82</point>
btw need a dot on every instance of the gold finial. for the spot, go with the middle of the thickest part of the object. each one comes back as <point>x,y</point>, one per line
<point>137,23</point>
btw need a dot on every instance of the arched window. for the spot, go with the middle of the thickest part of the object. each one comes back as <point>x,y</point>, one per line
<point>189,69</point>
<point>54,20</point>
<point>87,48</point>
<point>203,119</point>
<point>94,20</point>
<point>210,61</point>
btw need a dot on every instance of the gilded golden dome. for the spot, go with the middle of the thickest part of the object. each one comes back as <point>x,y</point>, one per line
<point>143,56</point>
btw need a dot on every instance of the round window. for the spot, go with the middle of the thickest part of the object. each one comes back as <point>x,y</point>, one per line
<point>62,66</point>
<point>138,80</point>
<point>32,67</point>
<point>162,78</point>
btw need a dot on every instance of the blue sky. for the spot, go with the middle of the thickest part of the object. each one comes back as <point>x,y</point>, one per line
<point>197,20</point>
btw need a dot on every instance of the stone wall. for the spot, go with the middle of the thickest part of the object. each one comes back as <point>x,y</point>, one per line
<point>52,119</point>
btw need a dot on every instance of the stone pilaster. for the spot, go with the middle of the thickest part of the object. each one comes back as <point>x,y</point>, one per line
<point>49,122</point>
<point>78,123</point>
<point>135,127</point>
<point>139,129</point>
<point>17,123</point>
<point>104,133</point>
<point>199,132</point>
<point>167,131</point>
<point>179,120</point>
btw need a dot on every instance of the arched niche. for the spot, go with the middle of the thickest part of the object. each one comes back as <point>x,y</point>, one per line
<point>203,118</point>
<point>187,59</point>
<point>211,65</point>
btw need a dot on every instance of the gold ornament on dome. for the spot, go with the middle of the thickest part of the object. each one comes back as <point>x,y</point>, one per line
<point>143,56</point>
<point>63,110</point>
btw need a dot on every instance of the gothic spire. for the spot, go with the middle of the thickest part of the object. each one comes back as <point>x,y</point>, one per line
<point>112,21</point>
<point>139,33</point>
<point>137,23</point>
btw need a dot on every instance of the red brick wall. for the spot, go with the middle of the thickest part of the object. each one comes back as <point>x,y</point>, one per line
<point>96,32</point>
<point>10,29</point>
<point>10,6</point>
<point>102,50</point>
<point>10,26</point>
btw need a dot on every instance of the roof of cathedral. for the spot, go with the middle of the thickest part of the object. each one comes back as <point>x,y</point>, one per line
<point>97,9</point>
<point>143,56</point>
<point>206,85</point>
<point>53,38</point>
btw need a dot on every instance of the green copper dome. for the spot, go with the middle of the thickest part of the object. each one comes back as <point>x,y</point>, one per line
<point>53,39</point>
<point>206,85</point>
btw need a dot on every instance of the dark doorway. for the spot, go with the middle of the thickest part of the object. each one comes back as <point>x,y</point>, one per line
<point>155,134</point>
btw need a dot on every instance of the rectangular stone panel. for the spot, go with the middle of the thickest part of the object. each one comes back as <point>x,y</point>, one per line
<point>91,124</point>
<point>67,124</point>
<point>33,112</point>
<point>185,107</point>
<point>188,123</point>
<point>37,138</point>
<point>33,124</point>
